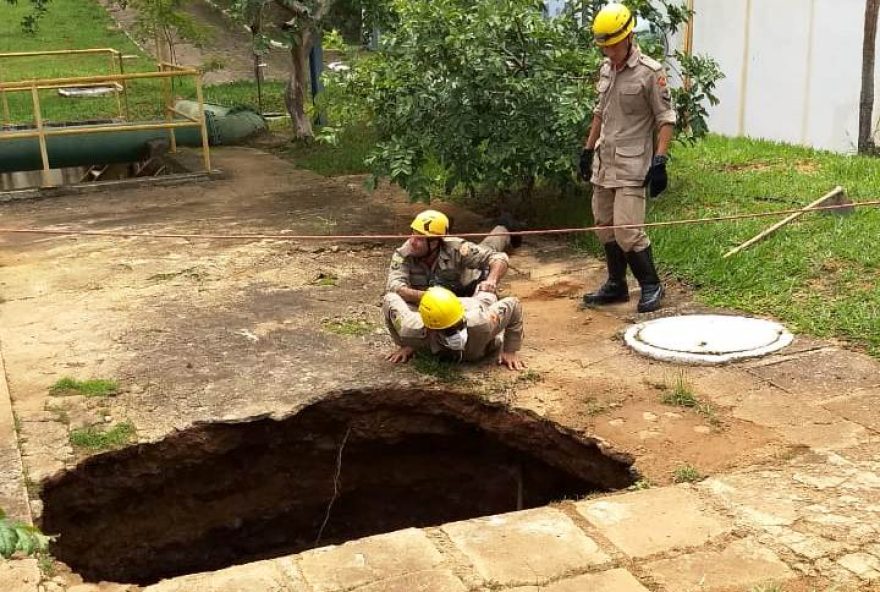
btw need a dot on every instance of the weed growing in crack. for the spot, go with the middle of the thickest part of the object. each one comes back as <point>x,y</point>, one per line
<point>348,327</point>
<point>94,438</point>
<point>95,387</point>
<point>640,485</point>
<point>680,394</point>
<point>686,474</point>
<point>46,564</point>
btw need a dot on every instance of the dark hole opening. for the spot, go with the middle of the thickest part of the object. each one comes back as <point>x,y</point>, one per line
<point>222,494</point>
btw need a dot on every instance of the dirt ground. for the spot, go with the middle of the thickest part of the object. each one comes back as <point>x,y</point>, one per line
<point>203,330</point>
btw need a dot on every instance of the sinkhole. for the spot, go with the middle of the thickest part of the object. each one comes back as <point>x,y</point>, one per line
<point>350,465</point>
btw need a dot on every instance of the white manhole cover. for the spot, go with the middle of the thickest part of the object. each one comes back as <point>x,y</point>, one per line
<point>707,339</point>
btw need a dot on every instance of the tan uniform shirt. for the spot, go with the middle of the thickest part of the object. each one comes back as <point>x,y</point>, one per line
<point>633,103</point>
<point>457,264</point>
<point>492,325</point>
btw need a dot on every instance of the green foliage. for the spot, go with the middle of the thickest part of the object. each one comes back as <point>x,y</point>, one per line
<point>487,94</point>
<point>164,18</point>
<point>30,20</point>
<point>20,537</point>
<point>332,39</point>
<point>686,474</point>
<point>702,74</point>
<point>94,438</point>
<point>96,387</point>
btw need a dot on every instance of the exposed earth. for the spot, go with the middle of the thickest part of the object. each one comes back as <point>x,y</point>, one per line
<point>235,331</point>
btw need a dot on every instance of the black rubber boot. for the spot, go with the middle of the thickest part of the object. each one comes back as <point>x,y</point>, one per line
<point>642,265</point>
<point>614,289</point>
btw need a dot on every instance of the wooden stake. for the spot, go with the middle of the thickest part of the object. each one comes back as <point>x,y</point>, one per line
<point>767,232</point>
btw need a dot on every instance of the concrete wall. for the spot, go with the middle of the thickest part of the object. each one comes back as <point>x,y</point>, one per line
<point>793,68</point>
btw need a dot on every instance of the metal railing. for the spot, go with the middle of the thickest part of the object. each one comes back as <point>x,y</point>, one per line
<point>166,72</point>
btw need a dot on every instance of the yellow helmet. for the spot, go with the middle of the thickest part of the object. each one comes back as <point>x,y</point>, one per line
<point>431,223</point>
<point>612,24</point>
<point>440,308</point>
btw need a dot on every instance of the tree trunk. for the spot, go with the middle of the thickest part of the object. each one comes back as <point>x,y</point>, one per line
<point>866,104</point>
<point>295,93</point>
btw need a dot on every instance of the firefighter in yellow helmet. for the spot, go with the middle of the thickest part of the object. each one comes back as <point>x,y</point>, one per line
<point>430,257</point>
<point>621,158</point>
<point>461,329</point>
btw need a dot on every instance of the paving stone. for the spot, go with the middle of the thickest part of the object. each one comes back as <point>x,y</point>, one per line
<point>613,580</point>
<point>439,580</point>
<point>362,562</point>
<point>867,567</point>
<point>19,575</point>
<point>265,576</point>
<point>861,407</point>
<point>743,564</point>
<point>654,520</point>
<point>761,499</point>
<point>525,547</point>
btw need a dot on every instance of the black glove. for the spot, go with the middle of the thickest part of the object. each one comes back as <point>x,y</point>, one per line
<point>656,180</point>
<point>585,168</point>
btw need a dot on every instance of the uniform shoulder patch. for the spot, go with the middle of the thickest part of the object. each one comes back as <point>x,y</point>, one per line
<point>651,63</point>
<point>605,68</point>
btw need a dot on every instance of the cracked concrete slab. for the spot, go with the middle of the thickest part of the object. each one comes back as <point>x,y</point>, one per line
<point>613,580</point>
<point>653,521</point>
<point>743,563</point>
<point>525,547</point>
<point>366,561</point>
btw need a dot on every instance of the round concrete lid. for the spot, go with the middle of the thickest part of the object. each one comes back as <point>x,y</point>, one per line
<point>707,339</point>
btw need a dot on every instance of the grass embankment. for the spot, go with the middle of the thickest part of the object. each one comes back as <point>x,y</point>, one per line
<point>83,24</point>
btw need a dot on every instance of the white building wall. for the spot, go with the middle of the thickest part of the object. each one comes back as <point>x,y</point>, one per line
<point>793,68</point>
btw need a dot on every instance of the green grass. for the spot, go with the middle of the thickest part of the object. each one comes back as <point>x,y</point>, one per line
<point>680,394</point>
<point>426,363</point>
<point>819,275</point>
<point>95,387</point>
<point>686,474</point>
<point>344,158</point>
<point>349,327</point>
<point>83,24</point>
<point>94,438</point>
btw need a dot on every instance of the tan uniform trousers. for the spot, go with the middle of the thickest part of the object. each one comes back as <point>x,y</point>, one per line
<point>621,205</point>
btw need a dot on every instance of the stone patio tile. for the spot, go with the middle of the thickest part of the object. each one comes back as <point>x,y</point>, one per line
<point>613,580</point>
<point>362,562</point>
<point>743,563</point>
<point>436,580</point>
<point>654,520</point>
<point>867,567</point>
<point>19,575</point>
<point>861,407</point>
<point>761,499</point>
<point>265,576</point>
<point>525,547</point>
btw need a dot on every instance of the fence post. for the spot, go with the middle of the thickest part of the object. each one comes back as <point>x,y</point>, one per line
<point>206,152</point>
<point>44,152</point>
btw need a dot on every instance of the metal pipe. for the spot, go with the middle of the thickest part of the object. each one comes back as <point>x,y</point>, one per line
<point>25,84</point>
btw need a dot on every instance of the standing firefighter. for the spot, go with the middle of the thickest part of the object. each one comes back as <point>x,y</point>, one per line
<point>620,156</point>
